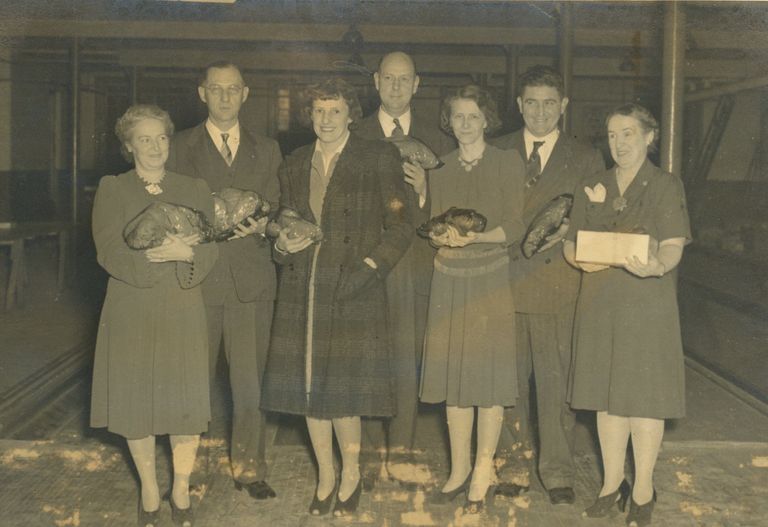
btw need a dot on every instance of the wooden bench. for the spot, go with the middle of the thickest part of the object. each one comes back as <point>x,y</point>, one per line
<point>15,237</point>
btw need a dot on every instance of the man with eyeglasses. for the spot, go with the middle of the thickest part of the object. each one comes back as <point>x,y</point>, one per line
<point>239,292</point>
<point>408,283</point>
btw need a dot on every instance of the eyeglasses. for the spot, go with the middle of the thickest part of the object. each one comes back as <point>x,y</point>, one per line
<point>217,90</point>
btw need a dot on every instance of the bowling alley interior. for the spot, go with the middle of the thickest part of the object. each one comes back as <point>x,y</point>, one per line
<point>70,69</point>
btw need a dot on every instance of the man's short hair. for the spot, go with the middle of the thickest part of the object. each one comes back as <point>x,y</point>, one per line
<point>541,75</point>
<point>219,65</point>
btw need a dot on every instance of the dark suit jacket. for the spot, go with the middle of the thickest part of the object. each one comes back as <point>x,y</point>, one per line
<point>546,283</point>
<point>246,262</point>
<point>440,143</point>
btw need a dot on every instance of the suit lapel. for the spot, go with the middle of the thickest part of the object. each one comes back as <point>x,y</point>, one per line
<point>204,152</point>
<point>300,187</point>
<point>549,182</point>
<point>344,167</point>
<point>371,127</point>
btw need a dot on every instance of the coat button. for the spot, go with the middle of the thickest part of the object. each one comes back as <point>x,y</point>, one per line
<point>346,212</point>
<point>548,260</point>
<point>515,258</point>
<point>347,239</point>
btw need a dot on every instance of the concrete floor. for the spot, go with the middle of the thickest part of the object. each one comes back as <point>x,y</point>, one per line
<point>712,471</point>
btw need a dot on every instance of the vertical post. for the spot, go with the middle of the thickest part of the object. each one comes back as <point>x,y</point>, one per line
<point>75,96</point>
<point>57,148</point>
<point>510,80</point>
<point>565,32</point>
<point>672,81</point>
<point>134,88</point>
<point>6,133</point>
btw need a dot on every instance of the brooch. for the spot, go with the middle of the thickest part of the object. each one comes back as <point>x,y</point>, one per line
<point>154,189</point>
<point>619,204</point>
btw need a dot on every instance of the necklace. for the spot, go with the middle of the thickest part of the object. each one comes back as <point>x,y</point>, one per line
<point>468,165</point>
<point>153,188</point>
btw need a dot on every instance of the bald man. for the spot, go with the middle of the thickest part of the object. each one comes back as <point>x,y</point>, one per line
<point>408,283</point>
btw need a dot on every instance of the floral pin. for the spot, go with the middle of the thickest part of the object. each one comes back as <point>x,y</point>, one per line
<point>619,204</point>
<point>596,194</point>
<point>154,189</point>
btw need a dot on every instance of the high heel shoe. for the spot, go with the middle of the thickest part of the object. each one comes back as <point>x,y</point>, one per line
<point>322,507</point>
<point>349,506</point>
<point>475,507</point>
<point>640,515</point>
<point>148,519</point>
<point>439,497</point>
<point>181,517</point>
<point>603,505</point>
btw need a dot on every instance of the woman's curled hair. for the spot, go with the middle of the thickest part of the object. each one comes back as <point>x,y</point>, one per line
<point>132,116</point>
<point>331,88</point>
<point>484,101</point>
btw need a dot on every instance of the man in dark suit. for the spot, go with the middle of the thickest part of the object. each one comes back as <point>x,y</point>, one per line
<point>408,284</point>
<point>239,292</point>
<point>545,289</point>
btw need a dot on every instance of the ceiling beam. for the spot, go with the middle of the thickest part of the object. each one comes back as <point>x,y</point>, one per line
<point>434,64</point>
<point>383,34</point>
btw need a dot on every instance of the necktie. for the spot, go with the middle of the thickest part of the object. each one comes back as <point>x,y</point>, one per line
<point>226,152</point>
<point>397,131</point>
<point>533,168</point>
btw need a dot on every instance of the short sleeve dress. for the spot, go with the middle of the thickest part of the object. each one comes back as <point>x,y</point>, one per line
<point>469,348</point>
<point>628,353</point>
<point>150,373</point>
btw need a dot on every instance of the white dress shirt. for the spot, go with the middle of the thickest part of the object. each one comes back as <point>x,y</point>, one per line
<point>233,141</point>
<point>545,150</point>
<point>388,122</point>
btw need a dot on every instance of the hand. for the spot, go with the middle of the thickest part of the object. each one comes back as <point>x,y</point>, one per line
<point>452,238</point>
<point>592,267</point>
<point>416,177</point>
<point>557,236</point>
<point>252,227</point>
<point>653,268</point>
<point>356,282</point>
<point>291,245</point>
<point>174,249</point>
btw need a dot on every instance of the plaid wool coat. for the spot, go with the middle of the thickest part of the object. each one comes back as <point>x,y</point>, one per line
<point>330,357</point>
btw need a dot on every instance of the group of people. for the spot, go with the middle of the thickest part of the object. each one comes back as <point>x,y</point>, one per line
<point>351,332</point>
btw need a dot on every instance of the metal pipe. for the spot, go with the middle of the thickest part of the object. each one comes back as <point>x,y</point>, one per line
<point>726,89</point>
<point>75,97</point>
<point>672,79</point>
<point>565,32</point>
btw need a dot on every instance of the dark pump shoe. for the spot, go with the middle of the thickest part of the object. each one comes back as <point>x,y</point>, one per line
<point>259,490</point>
<point>560,495</point>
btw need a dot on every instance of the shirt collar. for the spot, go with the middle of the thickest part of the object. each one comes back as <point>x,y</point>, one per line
<point>336,152</point>
<point>215,133</point>
<point>549,140</point>
<point>388,122</point>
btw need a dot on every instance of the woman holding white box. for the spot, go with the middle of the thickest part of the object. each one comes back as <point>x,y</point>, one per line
<point>628,356</point>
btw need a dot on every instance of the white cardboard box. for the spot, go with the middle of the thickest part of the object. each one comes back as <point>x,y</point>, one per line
<point>611,248</point>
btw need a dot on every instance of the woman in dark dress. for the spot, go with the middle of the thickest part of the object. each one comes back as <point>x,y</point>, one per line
<point>469,350</point>
<point>330,359</point>
<point>150,374</point>
<point>628,357</point>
